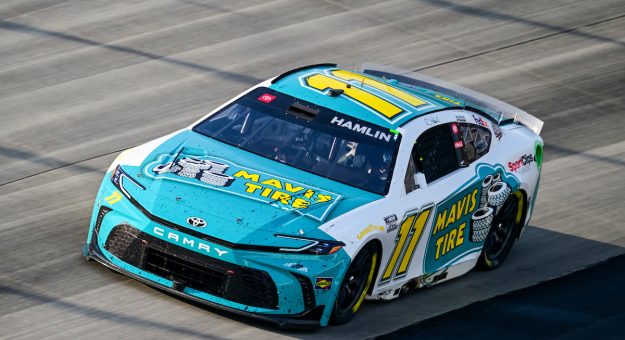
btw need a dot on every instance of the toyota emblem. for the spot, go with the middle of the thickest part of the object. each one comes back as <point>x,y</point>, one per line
<point>196,222</point>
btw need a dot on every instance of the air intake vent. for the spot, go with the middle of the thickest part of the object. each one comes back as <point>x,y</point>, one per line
<point>301,111</point>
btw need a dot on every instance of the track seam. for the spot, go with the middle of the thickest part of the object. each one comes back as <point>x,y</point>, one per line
<point>522,42</point>
<point>62,166</point>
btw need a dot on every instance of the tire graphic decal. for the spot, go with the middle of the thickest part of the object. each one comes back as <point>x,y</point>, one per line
<point>480,223</point>
<point>486,183</point>
<point>463,220</point>
<point>497,195</point>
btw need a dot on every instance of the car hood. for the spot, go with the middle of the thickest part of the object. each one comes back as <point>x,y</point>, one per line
<point>243,197</point>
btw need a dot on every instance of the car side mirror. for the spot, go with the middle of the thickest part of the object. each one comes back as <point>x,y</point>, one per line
<point>419,179</point>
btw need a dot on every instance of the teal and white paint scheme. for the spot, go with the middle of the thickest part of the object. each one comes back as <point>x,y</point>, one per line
<point>263,206</point>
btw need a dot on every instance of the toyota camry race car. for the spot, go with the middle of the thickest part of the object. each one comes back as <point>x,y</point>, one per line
<point>320,188</point>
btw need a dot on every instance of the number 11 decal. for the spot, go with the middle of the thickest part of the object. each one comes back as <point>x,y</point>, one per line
<point>339,79</point>
<point>408,237</point>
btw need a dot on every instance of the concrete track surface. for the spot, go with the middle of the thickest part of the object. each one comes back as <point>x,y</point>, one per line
<point>81,80</point>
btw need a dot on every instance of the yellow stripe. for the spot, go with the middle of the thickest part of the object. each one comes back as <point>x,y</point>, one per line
<point>374,260</point>
<point>416,235</point>
<point>322,82</point>
<point>403,234</point>
<point>405,96</point>
<point>519,197</point>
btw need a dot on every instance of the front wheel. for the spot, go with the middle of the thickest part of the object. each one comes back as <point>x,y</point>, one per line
<point>499,241</point>
<point>355,285</point>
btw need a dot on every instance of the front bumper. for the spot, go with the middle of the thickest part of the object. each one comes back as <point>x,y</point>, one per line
<point>298,302</point>
<point>308,319</point>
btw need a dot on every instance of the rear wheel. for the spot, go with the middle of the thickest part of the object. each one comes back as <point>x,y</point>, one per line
<point>355,285</point>
<point>501,237</point>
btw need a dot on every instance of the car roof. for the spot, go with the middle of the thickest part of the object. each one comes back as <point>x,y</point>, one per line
<point>376,100</point>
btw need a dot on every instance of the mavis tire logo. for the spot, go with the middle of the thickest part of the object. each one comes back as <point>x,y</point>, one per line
<point>225,176</point>
<point>520,164</point>
<point>196,222</point>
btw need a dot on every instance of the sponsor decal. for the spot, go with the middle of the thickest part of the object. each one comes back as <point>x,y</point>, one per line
<point>196,222</point>
<point>480,121</point>
<point>370,228</point>
<point>497,131</point>
<point>288,193</point>
<point>361,128</point>
<point>297,266</point>
<point>207,171</point>
<point>454,128</point>
<point>458,144</point>
<point>113,198</point>
<point>223,175</point>
<point>266,98</point>
<point>463,220</point>
<point>431,120</point>
<point>183,240</point>
<point>324,283</point>
<point>450,224</point>
<point>461,119</point>
<point>392,223</point>
<point>521,165</point>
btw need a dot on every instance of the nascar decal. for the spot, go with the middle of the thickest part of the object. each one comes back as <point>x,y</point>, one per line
<point>463,220</point>
<point>222,175</point>
<point>381,98</point>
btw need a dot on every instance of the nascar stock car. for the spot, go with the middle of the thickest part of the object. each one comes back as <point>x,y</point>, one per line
<point>320,188</point>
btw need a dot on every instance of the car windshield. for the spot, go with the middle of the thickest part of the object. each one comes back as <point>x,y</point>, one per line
<point>308,137</point>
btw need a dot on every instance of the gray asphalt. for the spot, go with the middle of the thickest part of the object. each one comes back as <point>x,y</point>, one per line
<point>81,80</point>
<point>583,305</point>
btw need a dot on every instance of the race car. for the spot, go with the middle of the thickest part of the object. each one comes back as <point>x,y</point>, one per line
<point>320,188</point>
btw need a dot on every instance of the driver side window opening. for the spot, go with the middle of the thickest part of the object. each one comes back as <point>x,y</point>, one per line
<point>443,149</point>
<point>434,154</point>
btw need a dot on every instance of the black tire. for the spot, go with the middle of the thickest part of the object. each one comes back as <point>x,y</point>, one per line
<point>501,237</point>
<point>355,285</point>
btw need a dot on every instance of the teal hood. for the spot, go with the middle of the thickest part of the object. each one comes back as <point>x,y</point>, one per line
<point>243,197</point>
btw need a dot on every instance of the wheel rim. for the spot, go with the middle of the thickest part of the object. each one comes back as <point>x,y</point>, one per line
<point>354,283</point>
<point>501,230</point>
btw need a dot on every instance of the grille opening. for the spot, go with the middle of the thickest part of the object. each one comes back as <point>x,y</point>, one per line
<point>202,278</point>
<point>247,286</point>
<point>308,292</point>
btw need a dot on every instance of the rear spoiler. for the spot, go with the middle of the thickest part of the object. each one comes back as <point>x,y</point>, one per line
<point>498,110</point>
